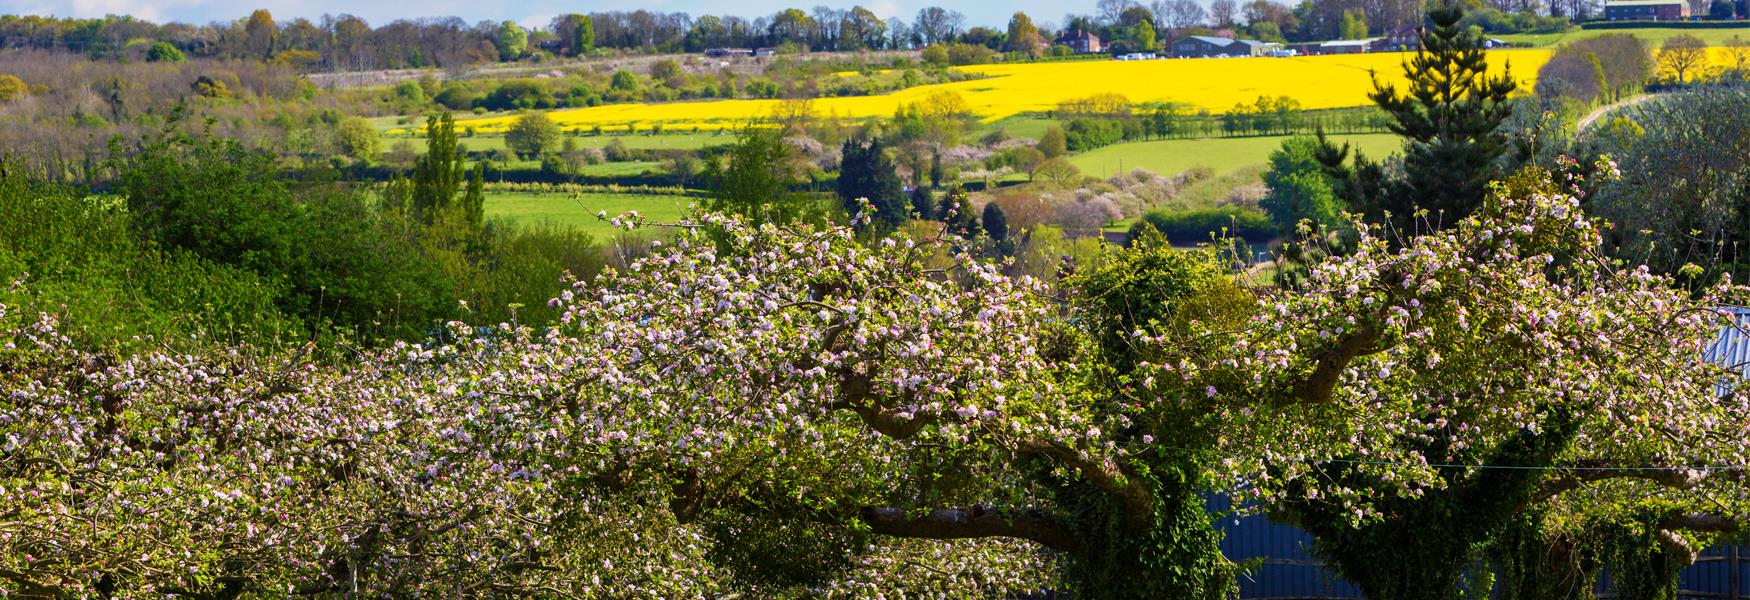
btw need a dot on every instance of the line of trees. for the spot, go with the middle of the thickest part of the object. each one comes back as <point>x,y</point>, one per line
<point>346,42</point>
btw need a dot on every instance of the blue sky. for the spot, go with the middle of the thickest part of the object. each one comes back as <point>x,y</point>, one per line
<point>528,12</point>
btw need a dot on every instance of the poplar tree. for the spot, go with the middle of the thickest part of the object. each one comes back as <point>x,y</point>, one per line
<point>439,177</point>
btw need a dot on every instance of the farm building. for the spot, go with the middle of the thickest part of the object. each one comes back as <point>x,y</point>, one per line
<point>1252,48</point>
<point>1646,10</point>
<point>1347,46</point>
<point>728,52</point>
<point>1202,46</point>
<point>1082,42</point>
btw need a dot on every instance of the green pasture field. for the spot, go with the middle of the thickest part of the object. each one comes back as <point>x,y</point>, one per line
<point>666,141</point>
<point>579,210</point>
<point>1223,155</point>
<point>1654,36</point>
<point>1021,126</point>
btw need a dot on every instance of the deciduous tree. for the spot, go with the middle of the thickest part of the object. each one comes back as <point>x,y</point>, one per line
<point>1682,55</point>
<point>512,41</point>
<point>1024,36</point>
<point>358,139</point>
<point>164,52</point>
<point>754,179</point>
<point>532,135</point>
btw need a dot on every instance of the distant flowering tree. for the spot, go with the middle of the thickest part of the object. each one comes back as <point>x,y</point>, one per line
<point>806,413</point>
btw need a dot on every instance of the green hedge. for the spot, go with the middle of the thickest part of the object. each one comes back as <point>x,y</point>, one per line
<point>1188,227</point>
<point>1745,25</point>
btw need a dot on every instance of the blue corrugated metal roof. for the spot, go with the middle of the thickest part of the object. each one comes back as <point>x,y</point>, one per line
<point>1732,347</point>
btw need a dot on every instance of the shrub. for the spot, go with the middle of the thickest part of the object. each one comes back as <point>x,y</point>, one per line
<point>625,81</point>
<point>12,88</point>
<point>457,97</point>
<point>409,91</point>
<point>616,151</point>
<point>164,52</point>
<point>519,94</point>
<point>935,56</point>
<point>86,265</point>
<point>358,139</point>
<point>1088,134</point>
<point>969,54</point>
<point>1053,143</point>
<point>211,88</point>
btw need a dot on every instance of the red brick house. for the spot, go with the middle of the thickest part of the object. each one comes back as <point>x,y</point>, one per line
<point>1082,42</point>
<point>1403,38</point>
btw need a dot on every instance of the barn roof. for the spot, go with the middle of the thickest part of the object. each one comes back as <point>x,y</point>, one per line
<point>1732,347</point>
<point>1212,40</point>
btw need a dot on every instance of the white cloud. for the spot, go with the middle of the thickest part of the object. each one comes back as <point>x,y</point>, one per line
<point>885,9</point>
<point>533,22</point>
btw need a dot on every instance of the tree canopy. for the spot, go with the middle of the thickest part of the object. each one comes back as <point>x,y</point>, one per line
<point>813,410</point>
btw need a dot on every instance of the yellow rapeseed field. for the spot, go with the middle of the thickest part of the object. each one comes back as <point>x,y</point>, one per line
<point>1215,84</point>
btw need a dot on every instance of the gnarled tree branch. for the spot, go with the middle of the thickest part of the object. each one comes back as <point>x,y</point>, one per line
<point>1703,522</point>
<point>1590,471</point>
<point>974,522</point>
<point>1318,385</point>
<point>1104,473</point>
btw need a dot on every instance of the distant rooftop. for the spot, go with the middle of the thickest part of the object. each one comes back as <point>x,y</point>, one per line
<point>1207,39</point>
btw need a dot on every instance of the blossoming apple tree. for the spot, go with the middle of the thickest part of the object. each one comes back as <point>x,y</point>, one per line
<point>1413,404</point>
<point>789,409</point>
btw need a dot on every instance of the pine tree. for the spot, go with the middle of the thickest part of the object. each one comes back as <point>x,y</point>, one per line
<point>865,172</point>
<point>1450,114</point>
<point>996,228</point>
<point>957,213</point>
<point>923,203</point>
<point>996,225</point>
<point>936,171</point>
